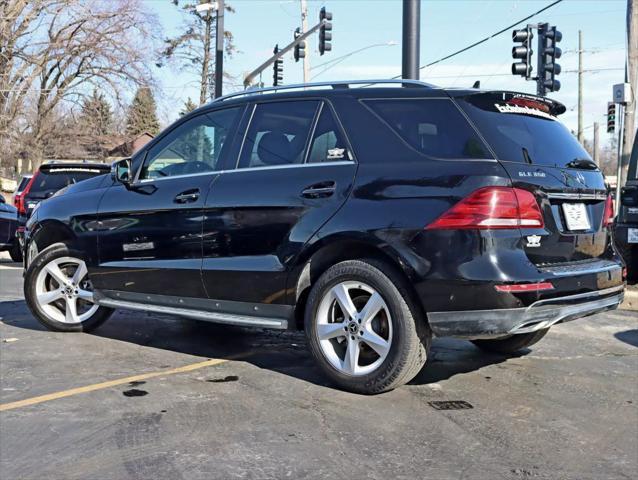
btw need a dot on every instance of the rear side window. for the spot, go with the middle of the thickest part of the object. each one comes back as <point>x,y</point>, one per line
<point>23,184</point>
<point>328,143</point>
<point>520,130</point>
<point>434,127</point>
<point>278,134</point>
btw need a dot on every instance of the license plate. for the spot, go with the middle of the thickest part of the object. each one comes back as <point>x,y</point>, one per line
<point>632,235</point>
<point>576,216</point>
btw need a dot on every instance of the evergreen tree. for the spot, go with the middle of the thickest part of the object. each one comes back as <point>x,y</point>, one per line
<point>96,117</point>
<point>142,114</point>
<point>188,107</point>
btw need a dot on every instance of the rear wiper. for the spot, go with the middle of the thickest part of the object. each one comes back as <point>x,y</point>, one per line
<point>582,163</point>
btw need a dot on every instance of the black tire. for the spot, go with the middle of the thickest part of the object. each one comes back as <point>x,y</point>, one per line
<point>511,344</point>
<point>15,252</point>
<point>629,254</point>
<point>53,252</point>
<point>410,339</point>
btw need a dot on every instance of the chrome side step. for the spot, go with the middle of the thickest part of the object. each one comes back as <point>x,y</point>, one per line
<point>216,317</point>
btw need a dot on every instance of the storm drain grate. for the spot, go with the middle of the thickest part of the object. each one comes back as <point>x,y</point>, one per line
<point>451,405</point>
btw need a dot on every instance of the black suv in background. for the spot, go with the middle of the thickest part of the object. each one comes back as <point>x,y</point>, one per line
<point>54,176</point>
<point>371,217</point>
<point>627,220</point>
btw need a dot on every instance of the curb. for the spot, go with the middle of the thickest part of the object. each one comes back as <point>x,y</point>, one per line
<point>631,299</point>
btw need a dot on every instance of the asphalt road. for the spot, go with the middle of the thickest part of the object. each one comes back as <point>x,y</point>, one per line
<point>567,409</point>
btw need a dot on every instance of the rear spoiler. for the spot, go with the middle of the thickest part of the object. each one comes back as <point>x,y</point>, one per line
<point>553,107</point>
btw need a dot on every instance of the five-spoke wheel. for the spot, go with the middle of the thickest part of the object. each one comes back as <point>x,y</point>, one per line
<point>64,291</point>
<point>59,292</point>
<point>363,328</point>
<point>354,327</point>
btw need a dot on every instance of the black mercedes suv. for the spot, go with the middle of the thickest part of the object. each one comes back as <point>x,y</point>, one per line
<point>373,215</point>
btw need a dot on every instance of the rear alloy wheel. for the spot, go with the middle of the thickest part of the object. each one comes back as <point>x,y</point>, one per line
<point>361,327</point>
<point>59,293</point>
<point>354,328</point>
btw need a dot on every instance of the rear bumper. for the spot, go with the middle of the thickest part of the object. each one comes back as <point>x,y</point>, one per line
<point>540,314</point>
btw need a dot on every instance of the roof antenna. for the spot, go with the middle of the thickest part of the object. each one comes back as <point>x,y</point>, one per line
<point>477,84</point>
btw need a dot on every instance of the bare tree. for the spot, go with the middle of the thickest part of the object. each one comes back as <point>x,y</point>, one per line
<point>58,51</point>
<point>192,49</point>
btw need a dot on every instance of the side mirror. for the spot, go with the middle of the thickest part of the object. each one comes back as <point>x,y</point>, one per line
<point>121,171</point>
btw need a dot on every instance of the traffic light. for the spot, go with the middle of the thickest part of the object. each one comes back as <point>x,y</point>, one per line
<point>325,31</point>
<point>277,69</point>
<point>548,53</point>
<point>300,48</point>
<point>611,117</point>
<point>522,52</point>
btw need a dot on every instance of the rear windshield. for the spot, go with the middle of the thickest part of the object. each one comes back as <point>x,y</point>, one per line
<point>519,130</point>
<point>432,126</point>
<point>47,181</point>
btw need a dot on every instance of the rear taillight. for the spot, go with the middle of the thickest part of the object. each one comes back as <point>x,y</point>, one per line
<point>492,208</point>
<point>20,201</point>
<point>608,217</point>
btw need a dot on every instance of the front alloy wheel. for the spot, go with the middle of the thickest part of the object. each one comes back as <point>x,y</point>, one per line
<point>59,292</point>
<point>64,291</point>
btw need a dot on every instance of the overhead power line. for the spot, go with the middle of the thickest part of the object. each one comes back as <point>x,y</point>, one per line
<point>588,70</point>
<point>496,34</point>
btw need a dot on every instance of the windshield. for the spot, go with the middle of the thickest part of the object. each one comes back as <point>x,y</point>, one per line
<point>520,129</point>
<point>53,181</point>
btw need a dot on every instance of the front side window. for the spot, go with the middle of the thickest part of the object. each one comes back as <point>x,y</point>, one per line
<point>328,143</point>
<point>434,127</point>
<point>278,134</point>
<point>193,147</point>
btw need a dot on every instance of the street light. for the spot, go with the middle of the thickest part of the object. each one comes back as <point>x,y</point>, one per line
<point>218,6</point>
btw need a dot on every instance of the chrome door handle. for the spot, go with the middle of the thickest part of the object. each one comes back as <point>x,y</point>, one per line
<point>188,196</point>
<point>319,190</point>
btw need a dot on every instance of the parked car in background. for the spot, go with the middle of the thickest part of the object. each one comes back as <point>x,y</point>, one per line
<point>373,218</point>
<point>17,195</point>
<point>54,176</point>
<point>626,227</point>
<point>8,225</point>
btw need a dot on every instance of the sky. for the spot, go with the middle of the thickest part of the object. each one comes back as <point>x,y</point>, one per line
<point>446,26</point>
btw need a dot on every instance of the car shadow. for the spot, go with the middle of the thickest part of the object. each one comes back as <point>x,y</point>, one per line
<point>628,336</point>
<point>284,352</point>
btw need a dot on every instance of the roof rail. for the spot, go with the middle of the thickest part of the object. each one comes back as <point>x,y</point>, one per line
<point>341,84</point>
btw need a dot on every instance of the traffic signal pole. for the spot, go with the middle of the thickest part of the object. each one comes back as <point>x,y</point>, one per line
<point>411,39</point>
<point>219,49</point>
<point>304,28</point>
<point>251,76</point>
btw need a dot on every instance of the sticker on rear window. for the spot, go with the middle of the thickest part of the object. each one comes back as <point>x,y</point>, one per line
<point>525,110</point>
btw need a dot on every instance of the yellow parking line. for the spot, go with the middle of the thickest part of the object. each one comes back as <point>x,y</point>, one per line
<point>110,383</point>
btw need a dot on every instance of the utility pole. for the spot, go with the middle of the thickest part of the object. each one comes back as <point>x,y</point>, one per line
<point>219,49</point>
<point>596,144</point>
<point>580,87</point>
<point>203,88</point>
<point>631,74</point>
<point>411,39</point>
<point>304,29</point>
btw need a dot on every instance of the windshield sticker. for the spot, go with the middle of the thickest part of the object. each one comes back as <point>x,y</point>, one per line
<point>524,110</point>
